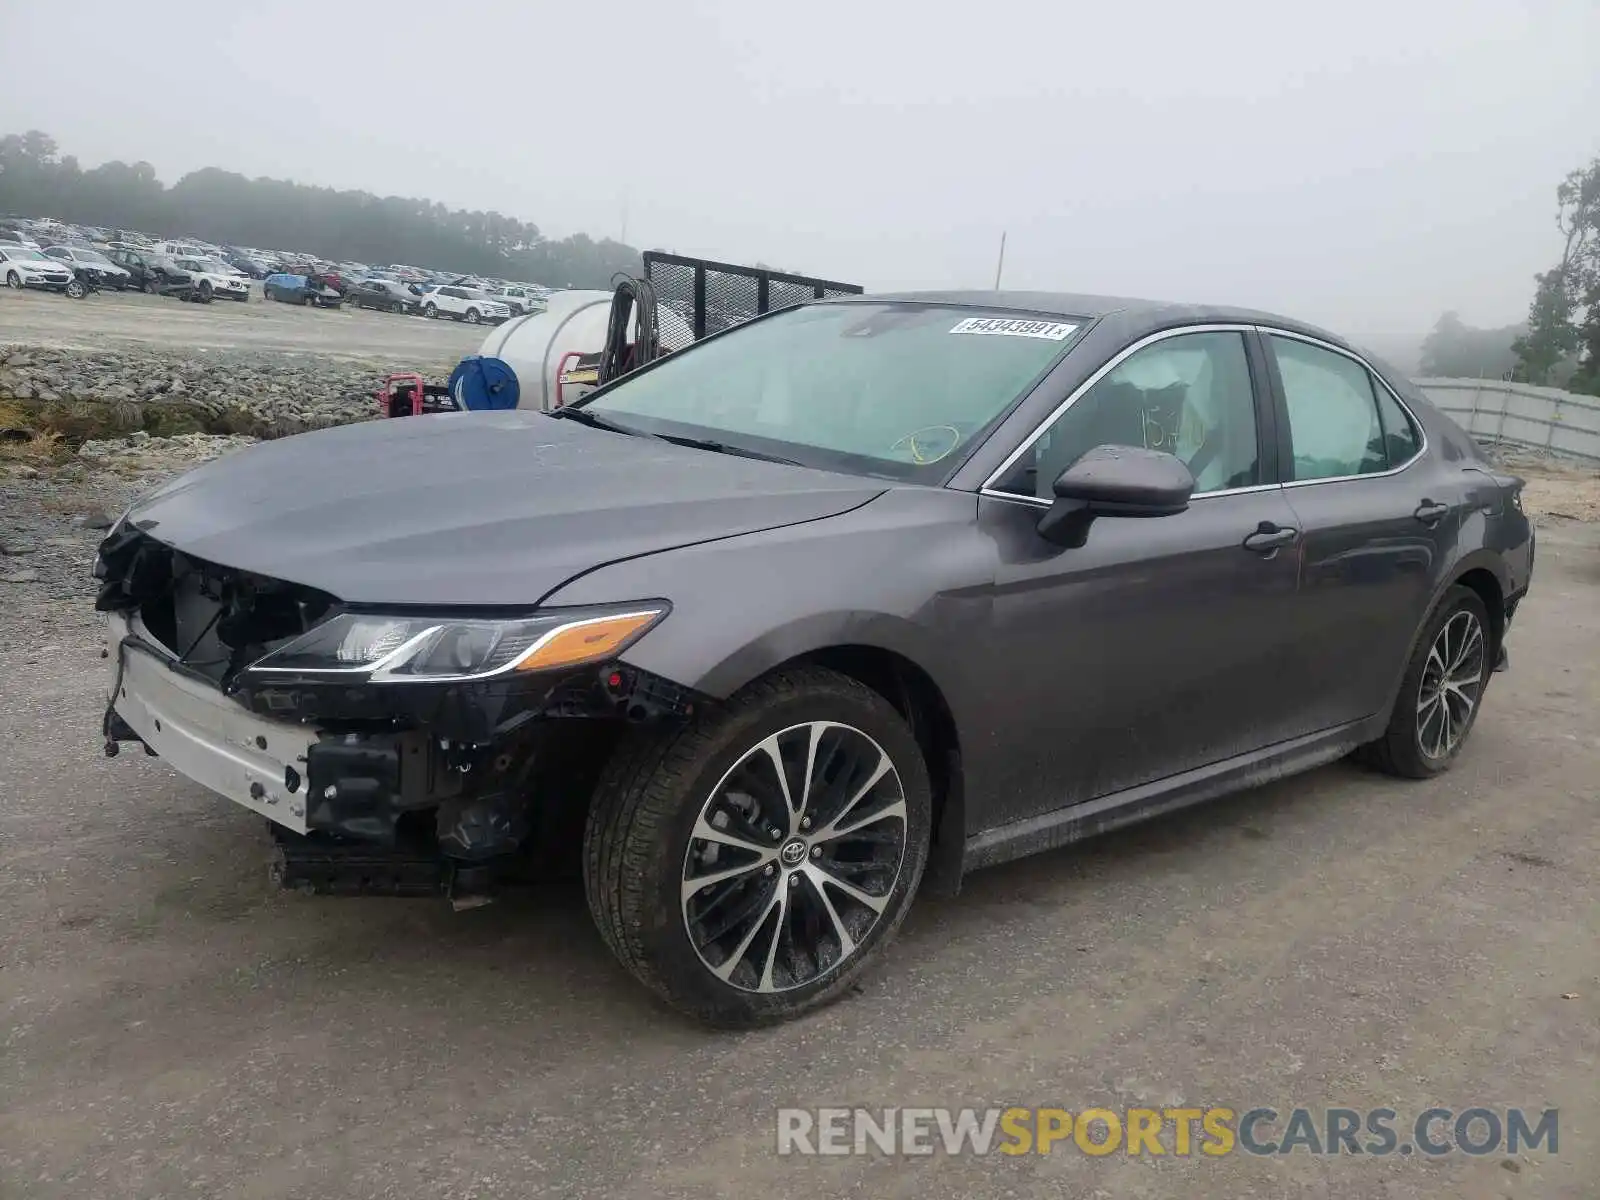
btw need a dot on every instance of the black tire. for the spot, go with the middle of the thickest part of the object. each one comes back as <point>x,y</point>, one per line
<point>397,307</point>
<point>1401,750</point>
<point>472,316</point>
<point>203,294</point>
<point>13,280</point>
<point>640,833</point>
<point>431,311</point>
<point>148,287</point>
<point>75,290</point>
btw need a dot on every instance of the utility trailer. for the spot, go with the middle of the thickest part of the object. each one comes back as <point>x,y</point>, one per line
<point>587,338</point>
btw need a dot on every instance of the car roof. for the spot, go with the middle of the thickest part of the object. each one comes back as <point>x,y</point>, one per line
<point>1135,317</point>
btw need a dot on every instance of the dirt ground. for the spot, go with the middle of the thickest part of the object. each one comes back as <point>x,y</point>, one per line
<point>173,1026</point>
<point>46,319</point>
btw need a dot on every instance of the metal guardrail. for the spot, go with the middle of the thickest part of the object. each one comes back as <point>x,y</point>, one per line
<point>1521,414</point>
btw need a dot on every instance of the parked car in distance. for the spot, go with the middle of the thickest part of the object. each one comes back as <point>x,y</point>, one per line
<point>241,261</point>
<point>860,596</point>
<point>107,274</point>
<point>291,288</point>
<point>517,298</point>
<point>463,304</point>
<point>142,270</point>
<point>179,250</point>
<point>22,267</point>
<point>212,278</point>
<point>384,294</point>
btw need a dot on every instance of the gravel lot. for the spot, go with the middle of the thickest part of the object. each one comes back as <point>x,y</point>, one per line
<point>46,319</point>
<point>173,1026</point>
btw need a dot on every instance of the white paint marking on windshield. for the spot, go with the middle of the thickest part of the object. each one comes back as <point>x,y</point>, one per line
<point>1054,331</point>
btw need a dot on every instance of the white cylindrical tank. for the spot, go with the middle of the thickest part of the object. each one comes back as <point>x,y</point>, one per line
<point>573,323</point>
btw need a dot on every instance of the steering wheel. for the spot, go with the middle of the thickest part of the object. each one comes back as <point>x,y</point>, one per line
<point>928,444</point>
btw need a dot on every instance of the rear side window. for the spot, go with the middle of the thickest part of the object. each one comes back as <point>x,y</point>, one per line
<point>1334,428</point>
<point>1399,434</point>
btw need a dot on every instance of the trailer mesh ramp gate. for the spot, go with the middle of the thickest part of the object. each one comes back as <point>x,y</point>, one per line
<point>713,296</point>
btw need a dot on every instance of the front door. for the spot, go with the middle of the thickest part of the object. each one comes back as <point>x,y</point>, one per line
<point>1162,644</point>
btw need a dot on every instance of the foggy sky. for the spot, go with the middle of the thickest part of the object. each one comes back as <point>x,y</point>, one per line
<point>1362,165</point>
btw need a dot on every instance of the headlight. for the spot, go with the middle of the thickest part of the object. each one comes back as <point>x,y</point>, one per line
<point>379,648</point>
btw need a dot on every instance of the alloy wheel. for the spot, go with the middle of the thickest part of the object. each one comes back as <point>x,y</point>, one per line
<point>1452,681</point>
<point>794,857</point>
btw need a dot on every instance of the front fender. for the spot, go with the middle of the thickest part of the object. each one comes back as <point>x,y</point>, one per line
<point>906,572</point>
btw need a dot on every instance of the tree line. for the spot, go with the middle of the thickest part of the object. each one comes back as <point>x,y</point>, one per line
<point>36,179</point>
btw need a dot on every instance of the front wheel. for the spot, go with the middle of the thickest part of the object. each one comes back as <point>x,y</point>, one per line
<point>75,290</point>
<point>750,865</point>
<point>204,294</point>
<point>13,280</point>
<point>472,316</point>
<point>1441,692</point>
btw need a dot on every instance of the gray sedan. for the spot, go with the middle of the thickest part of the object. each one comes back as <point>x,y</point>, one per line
<point>823,611</point>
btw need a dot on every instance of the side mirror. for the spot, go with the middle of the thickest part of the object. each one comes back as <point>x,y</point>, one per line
<point>1115,481</point>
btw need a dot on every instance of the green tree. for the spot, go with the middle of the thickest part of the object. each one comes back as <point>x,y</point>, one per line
<point>1564,316</point>
<point>1455,349</point>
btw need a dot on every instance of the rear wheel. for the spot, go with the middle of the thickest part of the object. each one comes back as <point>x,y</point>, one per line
<point>1441,692</point>
<point>431,311</point>
<point>750,865</point>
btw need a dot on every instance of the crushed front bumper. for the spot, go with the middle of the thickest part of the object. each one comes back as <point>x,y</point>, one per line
<point>254,761</point>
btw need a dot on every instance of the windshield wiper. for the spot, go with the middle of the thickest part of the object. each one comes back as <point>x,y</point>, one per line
<point>724,448</point>
<point>595,421</point>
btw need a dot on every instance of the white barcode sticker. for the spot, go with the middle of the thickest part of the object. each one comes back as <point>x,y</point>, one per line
<point>1054,331</point>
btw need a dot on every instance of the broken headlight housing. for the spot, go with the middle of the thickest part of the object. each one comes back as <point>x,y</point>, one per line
<point>404,648</point>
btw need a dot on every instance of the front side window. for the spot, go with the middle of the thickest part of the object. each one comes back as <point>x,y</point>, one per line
<point>1188,395</point>
<point>885,388</point>
<point>1334,429</point>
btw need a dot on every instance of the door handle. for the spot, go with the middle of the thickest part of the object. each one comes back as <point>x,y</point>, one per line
<point>1429,513</point>
<point>1269,538</point>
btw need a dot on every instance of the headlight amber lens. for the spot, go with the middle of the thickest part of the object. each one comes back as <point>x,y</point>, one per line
<point>586,641</point>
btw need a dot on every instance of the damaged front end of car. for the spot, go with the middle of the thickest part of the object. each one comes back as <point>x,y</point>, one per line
<point>400,750</point>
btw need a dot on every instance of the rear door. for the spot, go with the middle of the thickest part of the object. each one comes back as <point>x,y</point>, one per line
<point>1162,644</point>
<point>1377,520</point>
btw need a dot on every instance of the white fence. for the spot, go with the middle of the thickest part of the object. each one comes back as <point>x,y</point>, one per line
<point>1520,413</point>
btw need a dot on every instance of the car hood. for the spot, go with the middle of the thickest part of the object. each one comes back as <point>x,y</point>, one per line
<point>489,508</point>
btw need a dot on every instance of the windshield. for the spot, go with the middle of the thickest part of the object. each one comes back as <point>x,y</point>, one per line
<point>27,255</point>
<point>900,389</point>
<point>213,266</point>
<point>93,256</point>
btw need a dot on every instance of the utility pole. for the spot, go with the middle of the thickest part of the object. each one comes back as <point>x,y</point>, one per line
<point>1001,265</point>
